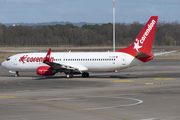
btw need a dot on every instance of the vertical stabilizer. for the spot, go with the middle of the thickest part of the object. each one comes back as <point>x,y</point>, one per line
<point>143,42</point>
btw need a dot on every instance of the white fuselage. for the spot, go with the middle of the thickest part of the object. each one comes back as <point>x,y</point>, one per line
<point>85,61</point>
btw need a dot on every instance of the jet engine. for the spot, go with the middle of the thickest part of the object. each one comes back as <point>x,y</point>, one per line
<point>46,71</point>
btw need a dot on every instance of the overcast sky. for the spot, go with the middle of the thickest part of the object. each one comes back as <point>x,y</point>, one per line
<point>91,11</point>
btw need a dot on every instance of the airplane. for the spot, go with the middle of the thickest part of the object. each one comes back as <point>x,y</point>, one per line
<point>71,63</point>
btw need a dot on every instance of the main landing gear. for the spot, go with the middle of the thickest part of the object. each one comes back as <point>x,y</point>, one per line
<point>70,74</point>
<point>85,74</point>
<point>17,74</point>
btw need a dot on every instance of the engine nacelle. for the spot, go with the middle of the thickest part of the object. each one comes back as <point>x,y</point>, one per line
<point>46,71</point>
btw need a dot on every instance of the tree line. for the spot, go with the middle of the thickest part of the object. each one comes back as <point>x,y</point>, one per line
<point>167,34</point>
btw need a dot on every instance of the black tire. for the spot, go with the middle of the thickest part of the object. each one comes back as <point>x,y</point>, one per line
<point>85,74</point>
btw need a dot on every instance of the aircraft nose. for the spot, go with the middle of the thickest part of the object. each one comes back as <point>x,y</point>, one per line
<point>3,64</point>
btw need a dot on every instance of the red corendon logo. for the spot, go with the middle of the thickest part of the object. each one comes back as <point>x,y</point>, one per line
<point>25,58</point>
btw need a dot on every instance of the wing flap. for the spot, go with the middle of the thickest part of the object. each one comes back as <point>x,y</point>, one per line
<point>77,67</point>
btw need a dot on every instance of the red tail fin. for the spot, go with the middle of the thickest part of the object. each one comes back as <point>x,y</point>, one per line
<point>143,42</point>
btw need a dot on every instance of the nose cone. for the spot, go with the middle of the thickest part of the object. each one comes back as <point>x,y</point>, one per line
<point>3,64</point>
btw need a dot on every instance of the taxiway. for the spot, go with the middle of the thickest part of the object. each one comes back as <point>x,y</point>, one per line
<point>147,92</point>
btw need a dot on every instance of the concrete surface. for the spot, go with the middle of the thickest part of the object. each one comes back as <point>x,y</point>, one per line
<point>147,92</point>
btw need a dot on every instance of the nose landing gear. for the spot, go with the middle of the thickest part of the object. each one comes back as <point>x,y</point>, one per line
<point>17,74</point>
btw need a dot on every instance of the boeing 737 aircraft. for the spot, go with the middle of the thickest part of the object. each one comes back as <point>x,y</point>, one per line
<point>71,63</point>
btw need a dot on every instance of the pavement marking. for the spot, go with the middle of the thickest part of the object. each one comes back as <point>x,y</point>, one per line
<point>151,119</point>
<point>149,83</point>
<point>122,80</point>
<point>164,97</point>
<point>163,78</point>
<point>70,107</point>
<point>127,105</point>
<point>8,97</point>
<point>162,83</point>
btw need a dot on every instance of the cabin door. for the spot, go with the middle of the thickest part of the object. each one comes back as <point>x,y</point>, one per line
<point>123,59</point>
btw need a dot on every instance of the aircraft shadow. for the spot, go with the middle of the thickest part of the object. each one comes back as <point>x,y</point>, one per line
<point>79,77</point>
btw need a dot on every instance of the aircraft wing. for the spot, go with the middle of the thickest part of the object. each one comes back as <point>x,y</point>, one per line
<point>63,67</point>
<point>162,53</point>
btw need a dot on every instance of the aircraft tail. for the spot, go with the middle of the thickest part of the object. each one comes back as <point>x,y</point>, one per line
<point>141,47</point>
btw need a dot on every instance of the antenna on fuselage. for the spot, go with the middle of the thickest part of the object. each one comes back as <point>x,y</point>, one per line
<point>113,26</point>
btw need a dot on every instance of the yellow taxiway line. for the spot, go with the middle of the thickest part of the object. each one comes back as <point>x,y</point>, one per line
<point>9,96</point>
<point>163,79</point>
<point>122,80</point>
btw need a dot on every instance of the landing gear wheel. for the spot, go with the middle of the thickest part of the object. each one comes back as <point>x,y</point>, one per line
<point>69,75</point>
<point>17,74</point>
<point>85,74</point>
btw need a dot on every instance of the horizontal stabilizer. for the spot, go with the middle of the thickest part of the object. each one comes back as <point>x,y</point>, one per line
<point>143,55</point>
<point>162,53</point>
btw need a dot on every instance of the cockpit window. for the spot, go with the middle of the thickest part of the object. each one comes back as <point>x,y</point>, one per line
<point>8,59</point>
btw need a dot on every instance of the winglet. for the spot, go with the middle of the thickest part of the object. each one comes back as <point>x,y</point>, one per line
<point>47,58</point>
